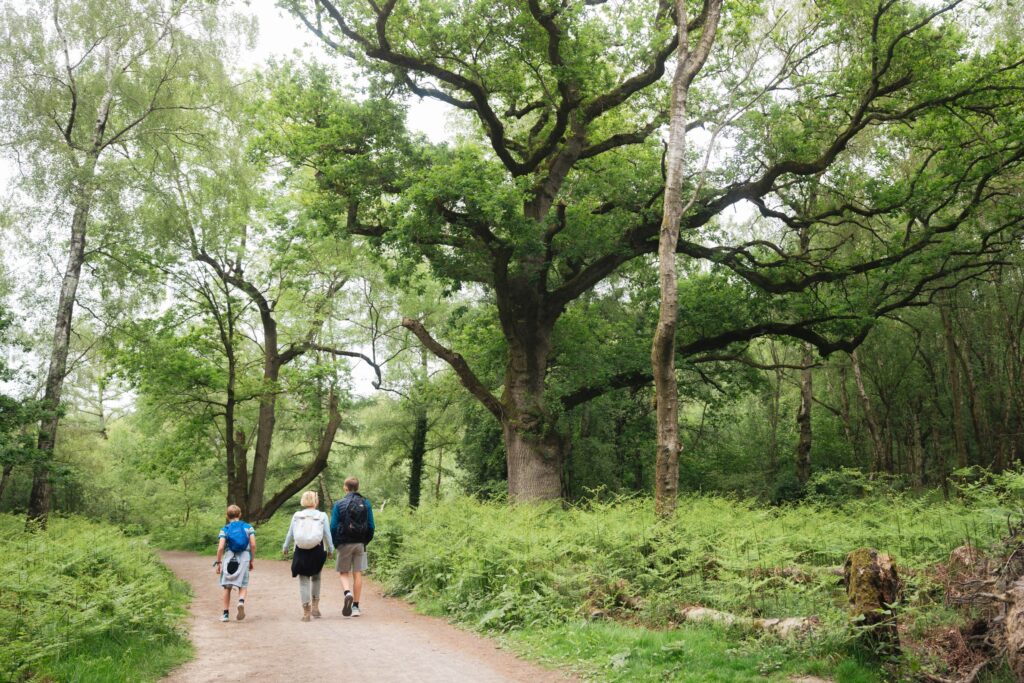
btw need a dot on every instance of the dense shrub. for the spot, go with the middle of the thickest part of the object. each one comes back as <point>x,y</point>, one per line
<point>79,582</point>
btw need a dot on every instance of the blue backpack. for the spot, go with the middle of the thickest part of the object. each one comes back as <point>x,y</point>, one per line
<point>237,534</point>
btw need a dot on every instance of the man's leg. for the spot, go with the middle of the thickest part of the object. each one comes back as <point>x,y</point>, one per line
<point>227,597</point>
<point>357,586</point>
<point>346,581</point>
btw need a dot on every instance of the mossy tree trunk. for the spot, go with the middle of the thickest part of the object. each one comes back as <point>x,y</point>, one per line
<point>872,587</point>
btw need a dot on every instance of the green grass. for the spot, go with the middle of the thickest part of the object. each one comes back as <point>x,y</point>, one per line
<point>83,602</point>
<point>613,652</point>
<point>129,657</point>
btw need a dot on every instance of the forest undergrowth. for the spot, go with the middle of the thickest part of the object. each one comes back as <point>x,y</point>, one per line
<point>81,603</point>
<point>600,585</point>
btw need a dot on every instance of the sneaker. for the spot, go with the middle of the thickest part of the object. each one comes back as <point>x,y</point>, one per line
<point>224,616</point>
<point>355,610</point>
<point>241,611</point>
<point>346,611</point>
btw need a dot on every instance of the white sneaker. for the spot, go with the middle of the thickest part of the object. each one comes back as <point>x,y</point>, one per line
<point>346,609</point>
<point>224,616</point>
<point>355,610</point>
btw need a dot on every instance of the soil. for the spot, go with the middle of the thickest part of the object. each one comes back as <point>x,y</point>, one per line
<point>388,643</point>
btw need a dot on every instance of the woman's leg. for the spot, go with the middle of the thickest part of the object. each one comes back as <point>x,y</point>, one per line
<point>315,581</point>
<point>304,586</point>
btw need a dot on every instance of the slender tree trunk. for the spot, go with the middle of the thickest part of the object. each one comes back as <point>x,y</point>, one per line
<point>437,483</point>
<point>663,357</point>
<point>5,478</point>
<point>416,454</point>
<point>803,418</point>
<point>879,456</point>
<point>267,416</point>
<point>916,450</point>
<point>325,495</point>
<point>956,397</point>
<point>40,497</point>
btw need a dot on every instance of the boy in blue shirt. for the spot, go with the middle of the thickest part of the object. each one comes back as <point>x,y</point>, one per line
<point>236,548</point>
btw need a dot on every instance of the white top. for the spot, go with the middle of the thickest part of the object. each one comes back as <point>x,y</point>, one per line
<point>328,541</point>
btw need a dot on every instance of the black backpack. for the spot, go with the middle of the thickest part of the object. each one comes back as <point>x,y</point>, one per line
<point>356,526</point>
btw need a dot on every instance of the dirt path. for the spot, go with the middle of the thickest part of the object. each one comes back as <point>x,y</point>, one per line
<point>388,643</point>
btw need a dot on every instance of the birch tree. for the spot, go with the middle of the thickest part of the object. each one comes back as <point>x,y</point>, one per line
<point>83,84</point>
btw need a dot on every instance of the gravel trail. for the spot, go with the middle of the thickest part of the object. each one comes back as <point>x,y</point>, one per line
<point>388,643</point>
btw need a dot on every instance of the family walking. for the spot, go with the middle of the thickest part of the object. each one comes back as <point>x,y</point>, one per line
<point>314,539</point>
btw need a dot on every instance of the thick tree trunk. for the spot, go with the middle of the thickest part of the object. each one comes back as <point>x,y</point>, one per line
<point>956,397</point>
<point>534,464</point>
<point>532,452</point>
<point>803,419</point>
<point>416,455</point>
<point>40,498</point>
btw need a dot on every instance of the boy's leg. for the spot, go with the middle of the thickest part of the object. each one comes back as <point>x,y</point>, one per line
<point>227,597</point>
<point>357,585</point>
<point>242,592</point>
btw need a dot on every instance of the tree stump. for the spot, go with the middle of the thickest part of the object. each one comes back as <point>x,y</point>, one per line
<point>1014,625</point>
<point>872,586</point>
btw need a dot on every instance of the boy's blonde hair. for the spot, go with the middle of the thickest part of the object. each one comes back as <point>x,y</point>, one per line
<point>310,499</point>
<point>234,512</point>
<point>351,484</point>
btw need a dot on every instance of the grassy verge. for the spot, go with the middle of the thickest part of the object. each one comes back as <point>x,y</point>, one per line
<point>82,602</point>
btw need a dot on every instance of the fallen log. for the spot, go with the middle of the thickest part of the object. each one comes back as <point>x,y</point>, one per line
<point>783,627</point>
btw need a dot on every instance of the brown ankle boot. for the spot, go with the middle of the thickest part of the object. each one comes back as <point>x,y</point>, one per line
<point>305,611</point>
<point>316,607</point>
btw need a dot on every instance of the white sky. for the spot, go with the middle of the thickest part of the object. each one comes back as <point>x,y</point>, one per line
<point>281,35</point>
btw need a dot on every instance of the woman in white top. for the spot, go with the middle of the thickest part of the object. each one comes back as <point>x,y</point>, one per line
<point>310,531</point>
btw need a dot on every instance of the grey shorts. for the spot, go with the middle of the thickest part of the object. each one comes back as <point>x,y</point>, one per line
<point>350,557</point>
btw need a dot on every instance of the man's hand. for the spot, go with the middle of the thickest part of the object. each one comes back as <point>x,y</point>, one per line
<point>252,565</point>
<point>216,567</point>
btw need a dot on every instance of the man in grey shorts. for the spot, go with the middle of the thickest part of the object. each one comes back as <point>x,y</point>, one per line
<point>351,529</point>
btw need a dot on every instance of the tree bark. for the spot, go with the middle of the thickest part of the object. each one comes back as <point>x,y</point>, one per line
<point>534,463</point>
<point>872,587</point>
<point>663,347</point>
<point>40,497</point>
<point>803,418</point>
<point>956,397</point>
<point>416,454</point>
<point>878,448</point>
<point>6,477</point>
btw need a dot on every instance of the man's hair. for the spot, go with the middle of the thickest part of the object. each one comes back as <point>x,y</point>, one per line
<point>351,484</point>
<point>234,512</point>
<point>309,499</point>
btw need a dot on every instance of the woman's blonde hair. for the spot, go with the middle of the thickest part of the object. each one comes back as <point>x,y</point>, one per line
<point>310,499</point>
